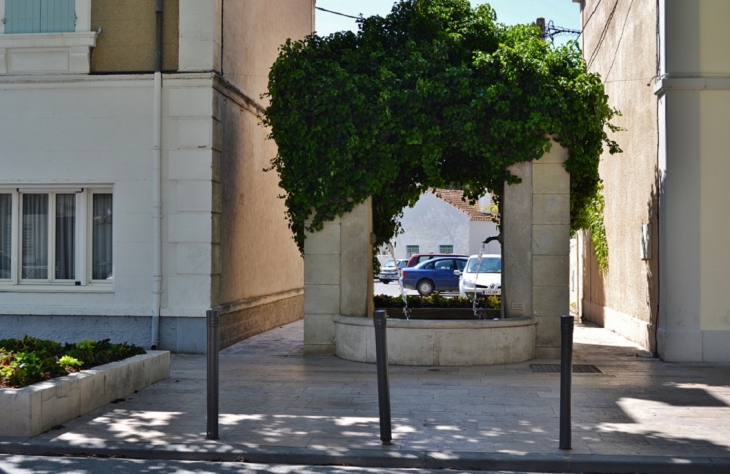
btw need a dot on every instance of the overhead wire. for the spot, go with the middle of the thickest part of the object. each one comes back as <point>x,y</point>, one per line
<point>337,13</point>
<point>602,37</point>
<point>618,44</point>
<point>589,18</point>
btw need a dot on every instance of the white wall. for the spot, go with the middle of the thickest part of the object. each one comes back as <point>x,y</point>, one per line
<point>430,223</point>
<point>97,131</point>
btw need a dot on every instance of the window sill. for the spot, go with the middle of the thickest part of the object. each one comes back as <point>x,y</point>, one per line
<point>40,288</point>
<point>44,53</point>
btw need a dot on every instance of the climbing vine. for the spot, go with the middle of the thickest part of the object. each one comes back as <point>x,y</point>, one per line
<point>436,93</point>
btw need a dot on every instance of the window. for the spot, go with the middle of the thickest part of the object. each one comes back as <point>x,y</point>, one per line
<point>444,265</point>
<point>40,16</point>
<point>446,249</point>
<point>57,237</point>
<point>411,250</point>
<point>46,36</point>
<point>6,230</point>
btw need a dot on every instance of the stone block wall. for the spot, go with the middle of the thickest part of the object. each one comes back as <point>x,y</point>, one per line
<point>537,247</point>
<point>338,276</point>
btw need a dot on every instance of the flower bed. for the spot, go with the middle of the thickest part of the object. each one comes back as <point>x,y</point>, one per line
<point>29,360</point>
<point>36,408</point>
<point>436,301</point>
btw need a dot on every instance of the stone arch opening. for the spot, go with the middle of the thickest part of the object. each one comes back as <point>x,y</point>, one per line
<point>338,275</point>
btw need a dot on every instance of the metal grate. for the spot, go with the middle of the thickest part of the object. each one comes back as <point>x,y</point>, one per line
<point>555,368</point>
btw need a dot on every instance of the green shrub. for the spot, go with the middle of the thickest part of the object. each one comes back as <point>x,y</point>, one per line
<point>29,360</point>
<point>436,301</point>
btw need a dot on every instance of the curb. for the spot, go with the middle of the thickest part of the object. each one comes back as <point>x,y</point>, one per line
<point>386,459</point>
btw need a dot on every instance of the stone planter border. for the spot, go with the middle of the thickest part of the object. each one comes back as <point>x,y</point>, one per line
<point>439,342</point>
<point>31,410</point>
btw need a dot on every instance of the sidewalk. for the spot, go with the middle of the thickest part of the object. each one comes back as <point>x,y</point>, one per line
<point>637,415</point>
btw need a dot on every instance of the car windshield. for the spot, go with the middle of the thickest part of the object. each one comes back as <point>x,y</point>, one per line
<point>389,263</point>
<point>489,265</point>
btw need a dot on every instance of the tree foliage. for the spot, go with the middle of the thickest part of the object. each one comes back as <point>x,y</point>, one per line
<point>436,93</point>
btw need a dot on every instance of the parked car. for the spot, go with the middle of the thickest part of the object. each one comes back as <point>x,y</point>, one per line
<point>486,281</point>
<point>391,270</point>
<point>417,258</point>
<point>436,274</point>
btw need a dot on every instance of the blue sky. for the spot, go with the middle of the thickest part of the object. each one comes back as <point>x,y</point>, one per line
<point>563,13</point>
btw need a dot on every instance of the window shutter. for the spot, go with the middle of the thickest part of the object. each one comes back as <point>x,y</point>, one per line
<point>40,16</point>
<point>57,16</point>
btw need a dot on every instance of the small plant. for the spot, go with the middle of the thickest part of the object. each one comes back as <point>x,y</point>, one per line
<point>30,363</point>
<point>68,361</point>
<point>86,345</point>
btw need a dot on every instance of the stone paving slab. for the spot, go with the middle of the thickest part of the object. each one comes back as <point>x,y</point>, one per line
<point>277,405</point>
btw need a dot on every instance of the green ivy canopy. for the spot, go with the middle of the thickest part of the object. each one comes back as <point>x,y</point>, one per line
<point>435,94</point>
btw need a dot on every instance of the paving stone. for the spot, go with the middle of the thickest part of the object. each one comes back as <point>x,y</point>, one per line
<point>638,406</point>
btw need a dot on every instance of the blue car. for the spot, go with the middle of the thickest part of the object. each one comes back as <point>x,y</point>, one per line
<point>434,275</point>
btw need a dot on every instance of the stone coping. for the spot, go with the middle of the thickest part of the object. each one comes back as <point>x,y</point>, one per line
<point>31,410</point>
<point>439,323</point>
<point>438,342</point>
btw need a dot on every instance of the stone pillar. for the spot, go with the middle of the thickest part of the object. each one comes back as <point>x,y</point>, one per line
<point>537,247</point>
<point>338,276</point>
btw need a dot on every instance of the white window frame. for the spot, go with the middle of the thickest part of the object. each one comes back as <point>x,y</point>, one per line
<point>44,53</point>
<point>409,254</point>
<point>446,245</point>
<point>83,237</point>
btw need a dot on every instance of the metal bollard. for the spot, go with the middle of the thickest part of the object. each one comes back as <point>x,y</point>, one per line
<point>566,379</point>
<point>213,323</point>
<point>381,359</point>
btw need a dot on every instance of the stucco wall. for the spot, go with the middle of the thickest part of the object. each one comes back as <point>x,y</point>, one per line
<point>673,166</point>
<point>88,132</point>
<point>259,27</point>
<point>715,196</point>
<point>200,35</point>
<point>258,254</point>
<point>127,39</point>
<point>478,232</point>
<point>97,131</point>
<point>626,59</point>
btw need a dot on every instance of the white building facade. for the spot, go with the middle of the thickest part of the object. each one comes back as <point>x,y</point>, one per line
<point>441,222</point>
<point>133,200</point>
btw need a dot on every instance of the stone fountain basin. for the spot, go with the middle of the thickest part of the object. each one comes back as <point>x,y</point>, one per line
<point>438,342</point>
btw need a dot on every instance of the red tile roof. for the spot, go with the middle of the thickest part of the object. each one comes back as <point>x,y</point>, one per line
<point>455,197</point>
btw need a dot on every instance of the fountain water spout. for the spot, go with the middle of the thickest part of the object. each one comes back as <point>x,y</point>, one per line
<point>406,310</point>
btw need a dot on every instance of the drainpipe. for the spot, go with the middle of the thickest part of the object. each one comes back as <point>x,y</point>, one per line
<point>157,183</point>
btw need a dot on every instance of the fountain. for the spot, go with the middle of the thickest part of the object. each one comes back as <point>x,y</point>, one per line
<point>406,310</point>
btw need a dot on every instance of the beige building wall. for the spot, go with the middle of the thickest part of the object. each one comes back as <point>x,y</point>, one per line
<point>714,197</point>
<point>261,279</point>
<point>259,254</point>
<point>260,27</point>
<point>714,38</point>
<point>672,175</point>
<point>625,298</point>
<point>126,42</point>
